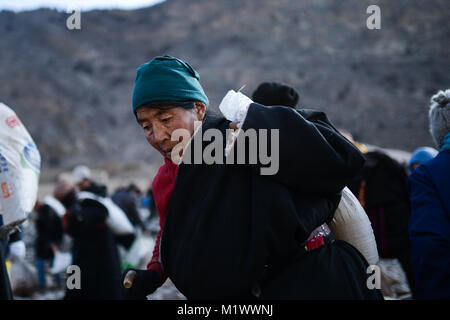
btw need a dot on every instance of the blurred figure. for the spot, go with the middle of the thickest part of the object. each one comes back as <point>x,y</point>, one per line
<point>94,247</point>
<point>276,94</point>
<point>429,187</point>
<point>149,202</point>
<point>49,235</point>
<point>81,177</point>
<point>421,155</point>
<point>381,188</point>
<point>127,198</point>
<point>14,248</point>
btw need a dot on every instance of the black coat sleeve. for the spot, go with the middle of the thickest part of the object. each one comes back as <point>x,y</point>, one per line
<point>313,157</point>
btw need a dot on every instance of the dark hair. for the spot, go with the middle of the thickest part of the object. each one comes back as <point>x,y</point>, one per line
<point>166,105</point>
<point>276,94</point>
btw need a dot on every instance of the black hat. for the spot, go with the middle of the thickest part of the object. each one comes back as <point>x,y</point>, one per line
<point>275,94</point>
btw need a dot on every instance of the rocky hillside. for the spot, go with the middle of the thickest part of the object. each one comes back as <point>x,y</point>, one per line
<point>72,89</point>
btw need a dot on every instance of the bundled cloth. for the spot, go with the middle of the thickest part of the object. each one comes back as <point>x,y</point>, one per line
<point>351,224</point>
<point>20,164</point>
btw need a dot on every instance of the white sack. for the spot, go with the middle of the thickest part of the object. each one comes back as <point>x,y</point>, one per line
<point>351,224</point>
<point>20,164</point>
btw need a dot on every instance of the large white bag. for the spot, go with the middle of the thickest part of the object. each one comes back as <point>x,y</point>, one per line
<point>140,252</point>
<point>56,205</point>
<point>351,224</point>
<point>61,261</point>
<point>234,107</point>
<point>20,164</point>
<point>117,220</point>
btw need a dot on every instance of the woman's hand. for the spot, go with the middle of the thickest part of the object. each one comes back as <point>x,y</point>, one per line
<point>143,283</point>
<point>234,125</point>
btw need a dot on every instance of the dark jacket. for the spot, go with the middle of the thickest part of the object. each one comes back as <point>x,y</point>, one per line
<point>127,202</point>
<point>94,251</point>
<point>229,229</point>
<point>382,188</point>
<point>429,227</point>
<point>386,201</point>
<point>49,230</point>
<point>98,189</point>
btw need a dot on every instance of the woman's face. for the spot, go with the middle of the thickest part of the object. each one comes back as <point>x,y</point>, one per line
<point>158,124</point>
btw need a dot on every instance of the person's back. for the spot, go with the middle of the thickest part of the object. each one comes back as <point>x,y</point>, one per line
<point>430,227</point>
<point>127,202</point>
<point>49,231</point>
<point>381,188</point>
<point>94,251</point>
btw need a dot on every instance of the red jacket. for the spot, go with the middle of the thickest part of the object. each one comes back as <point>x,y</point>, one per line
<point>162,186</point>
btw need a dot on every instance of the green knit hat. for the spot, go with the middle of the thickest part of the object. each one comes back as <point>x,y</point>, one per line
<point>167,78</point>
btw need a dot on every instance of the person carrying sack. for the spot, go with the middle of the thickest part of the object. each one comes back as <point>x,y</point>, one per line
<point>228,231</point>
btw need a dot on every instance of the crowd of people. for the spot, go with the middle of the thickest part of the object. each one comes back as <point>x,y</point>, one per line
<point>228,232</point>
<point>80,220</point>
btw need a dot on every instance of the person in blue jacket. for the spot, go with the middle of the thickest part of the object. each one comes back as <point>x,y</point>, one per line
<point>419,156</point>
<point>429,228</point>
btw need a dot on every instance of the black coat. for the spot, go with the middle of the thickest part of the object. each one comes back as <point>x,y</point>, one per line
<point>49,231</point>
<point>95,252</point>
<point>228,228</point>
<point>386,187</point>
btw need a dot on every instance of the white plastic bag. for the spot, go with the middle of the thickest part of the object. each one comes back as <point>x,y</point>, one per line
<point>140,251</point>
<point>61,261</point>
<point>351,224</point>
<point>117,220</point>
<point>20,164</point>
<point>17,250</point>
<point>234,107</point>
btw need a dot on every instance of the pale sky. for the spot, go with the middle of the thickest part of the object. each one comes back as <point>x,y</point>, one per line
<point>63,5</point>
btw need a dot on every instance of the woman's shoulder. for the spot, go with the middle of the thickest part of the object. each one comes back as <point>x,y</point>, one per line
<point>215,120</point>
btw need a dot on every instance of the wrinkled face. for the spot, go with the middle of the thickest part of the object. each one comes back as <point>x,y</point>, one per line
<point>159,123</point>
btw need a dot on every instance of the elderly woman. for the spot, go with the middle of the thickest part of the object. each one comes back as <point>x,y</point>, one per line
<point>429,226</point>
<point>228,231</point>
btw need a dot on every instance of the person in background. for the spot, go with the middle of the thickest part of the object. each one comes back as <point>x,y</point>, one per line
<point>381,188</point>
<point>82,178</point>
<point>276,94</point>
<point>49,235</point>
<point>94,247</point>
<point>429,227</point>
<point>151,204</point>
<point>127,198</point>
<point>421,155</point>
